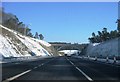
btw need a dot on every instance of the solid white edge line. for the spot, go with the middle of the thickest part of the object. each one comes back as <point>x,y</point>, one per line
<point>84,74</point>
<point>80,71</point>
<point>16,76</point>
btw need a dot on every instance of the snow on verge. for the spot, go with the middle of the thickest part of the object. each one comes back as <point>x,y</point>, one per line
<point>69,52</point>
<point>108,48</point>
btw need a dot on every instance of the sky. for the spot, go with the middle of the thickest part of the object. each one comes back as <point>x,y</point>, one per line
<point>65,21</point>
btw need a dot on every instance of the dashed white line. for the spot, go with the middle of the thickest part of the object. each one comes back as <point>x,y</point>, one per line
<point>21,74</point>
<point>39,65</point>
<point>17,63</point>
<point>14,77</point>
<point>35,67</point>
<point>42,64</point>
<point>80,71</point>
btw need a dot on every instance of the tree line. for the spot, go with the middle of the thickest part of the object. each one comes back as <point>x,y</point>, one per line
<point>11,21</point>
<point>104,35</point>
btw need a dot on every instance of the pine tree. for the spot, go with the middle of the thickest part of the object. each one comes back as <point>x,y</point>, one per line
<point>118,27</point>
<point>41,37</point>
<point>36,35</point>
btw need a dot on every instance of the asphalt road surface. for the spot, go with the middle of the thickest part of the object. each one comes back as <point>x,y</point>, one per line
<point>59,68</point>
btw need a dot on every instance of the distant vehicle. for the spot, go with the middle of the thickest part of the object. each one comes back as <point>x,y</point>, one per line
<point>68,55</point>
<point>65,54</point>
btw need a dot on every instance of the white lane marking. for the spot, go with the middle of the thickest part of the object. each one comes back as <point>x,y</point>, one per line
<point>39,65</point>
<point>14,77</point>
<point>67,58</point>
<point>81,71</point>
<point>17,63</point>
<point>71,63</point>
<point>35,67</point>
<point>43,63</point>
<point>84,74</point>
<point>21,74</point>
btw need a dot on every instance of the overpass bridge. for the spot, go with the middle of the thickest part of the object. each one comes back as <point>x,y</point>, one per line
<point>67,46</point>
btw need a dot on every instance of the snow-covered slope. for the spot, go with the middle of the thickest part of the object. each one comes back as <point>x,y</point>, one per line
<point>42,42</point>
<point>33,45</point>
<point>17,45</point>
<point>6,49</point>
<point>108,48</point>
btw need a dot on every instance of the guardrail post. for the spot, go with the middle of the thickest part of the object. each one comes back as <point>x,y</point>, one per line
<point>95,58</point>
<point>82,57</point>
<point>88,56</point>
<point>107,59</point>
<point>114,59</point>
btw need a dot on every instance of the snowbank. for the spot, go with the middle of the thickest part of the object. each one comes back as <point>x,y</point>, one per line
<point>69,52</point>
<point>108,48</point>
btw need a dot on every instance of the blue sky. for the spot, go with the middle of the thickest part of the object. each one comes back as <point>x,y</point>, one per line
<point>65,22</point>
